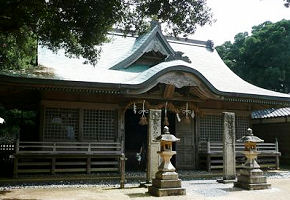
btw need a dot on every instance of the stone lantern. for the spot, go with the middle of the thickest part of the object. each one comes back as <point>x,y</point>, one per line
<point>251,176</point>
<point>166,182</point>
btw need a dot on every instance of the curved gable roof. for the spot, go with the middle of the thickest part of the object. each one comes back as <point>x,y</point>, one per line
<point>144,44</point>
<point>121,51</point>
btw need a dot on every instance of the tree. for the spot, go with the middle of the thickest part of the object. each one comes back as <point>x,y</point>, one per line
<point>263,57</point>
<point>78,26</point>
<point>287,3</point>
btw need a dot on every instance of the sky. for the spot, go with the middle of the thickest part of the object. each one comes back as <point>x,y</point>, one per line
<point>235,16</point>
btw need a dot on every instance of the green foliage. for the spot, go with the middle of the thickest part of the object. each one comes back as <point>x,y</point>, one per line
<point>287,3</point>
<point>77,26</point>
<point>263,57</point>
<point>14,119</point>
<point>17,49</point>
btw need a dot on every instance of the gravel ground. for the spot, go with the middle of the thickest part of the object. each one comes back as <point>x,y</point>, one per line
<point>109,189</point>
<point>197,190</point>
<point>135,178</point>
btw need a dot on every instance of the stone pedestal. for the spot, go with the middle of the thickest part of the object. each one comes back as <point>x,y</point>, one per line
<point>251,176</point>
<point>229,155</point>
<point>166,181</point>
<point>166,184</point>
<point>252,179</point>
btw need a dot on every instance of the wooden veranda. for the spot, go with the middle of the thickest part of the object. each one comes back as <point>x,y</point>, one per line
<point>66,157</point>
<point>211,155</point>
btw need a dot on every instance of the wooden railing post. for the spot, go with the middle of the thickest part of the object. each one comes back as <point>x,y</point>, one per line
<point>277,154</point>
<point>89,165</point>
<point>17,145</point>
<point>208,159</point>
<point>53,165</point>
<point>89,148</point>
<point>122,170</point>
<point>15,167</point>
<point>54,147</point>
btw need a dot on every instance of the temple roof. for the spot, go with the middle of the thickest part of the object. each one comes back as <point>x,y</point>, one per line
<point>271,113</point>
<point>118,65</point>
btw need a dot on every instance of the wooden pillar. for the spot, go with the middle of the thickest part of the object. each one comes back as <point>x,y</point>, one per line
<point>121,128</point>
<point>81,124</point>
<point>197,141</point>
<point>15,163</point>
<point>53,165</point>
<point>277,154</point>
<point>208,158</point>
<point>122,170</point>
<point>121,139</point>
<point>154,130</point>
<point>15,168</point>
<point>89,165</point>
<point>41,122</point>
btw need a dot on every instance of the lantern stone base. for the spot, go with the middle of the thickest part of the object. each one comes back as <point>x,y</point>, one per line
<point>160,192</point>
<point>166,184</point>
<point>252,179</point>
<point>226,181</point>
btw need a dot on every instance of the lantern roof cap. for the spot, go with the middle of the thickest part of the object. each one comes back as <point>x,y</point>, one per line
<point>166,136</point>
<point>249,137</point>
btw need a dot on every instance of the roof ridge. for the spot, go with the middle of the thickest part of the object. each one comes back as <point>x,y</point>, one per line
<point>208,44</point>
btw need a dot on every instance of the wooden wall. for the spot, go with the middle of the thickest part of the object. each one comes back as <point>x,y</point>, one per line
<point>281,131</point>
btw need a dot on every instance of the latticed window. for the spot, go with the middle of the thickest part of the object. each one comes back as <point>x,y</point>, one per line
<point>61,124</point>
<point>242,124</point>
<point>99,125</point>
<point>211,128</point>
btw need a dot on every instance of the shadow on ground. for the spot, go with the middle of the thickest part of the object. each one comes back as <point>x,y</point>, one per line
<point>18,199</point>
<point>118,188</point>
<point>3,192</point>
<point>232,189</point>
<point>138,195</point>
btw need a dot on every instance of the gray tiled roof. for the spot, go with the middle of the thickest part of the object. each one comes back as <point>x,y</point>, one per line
<point>271,113</point>
<point>205,63</point>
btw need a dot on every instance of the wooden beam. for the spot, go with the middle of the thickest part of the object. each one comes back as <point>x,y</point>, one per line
<point>168,91</point>
<point>196,91</point>
<point>155,97</point>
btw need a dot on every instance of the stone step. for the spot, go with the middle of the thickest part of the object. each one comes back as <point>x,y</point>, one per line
<point>253,186</point>
<point>252,179</point>
<point>159,192</point>
<point>253,172</point>
<point>166,183</point>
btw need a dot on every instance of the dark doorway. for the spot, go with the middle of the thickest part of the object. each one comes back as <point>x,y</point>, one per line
<point>135,142</point>
<point>19,124</point>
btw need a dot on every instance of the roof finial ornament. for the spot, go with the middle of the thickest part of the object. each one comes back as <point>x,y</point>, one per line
<point>166,130</point>
<point>210,45</point>
<point>154,23</point>
<point>249,132</point>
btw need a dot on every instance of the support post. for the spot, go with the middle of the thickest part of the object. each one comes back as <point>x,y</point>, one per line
<point>53,165</point>
<point>208,158</point>
<point>15,169</point>
<point>122,170</point>
<point>277,154</point>
<point>154,130</point>
<point>89,165</point>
